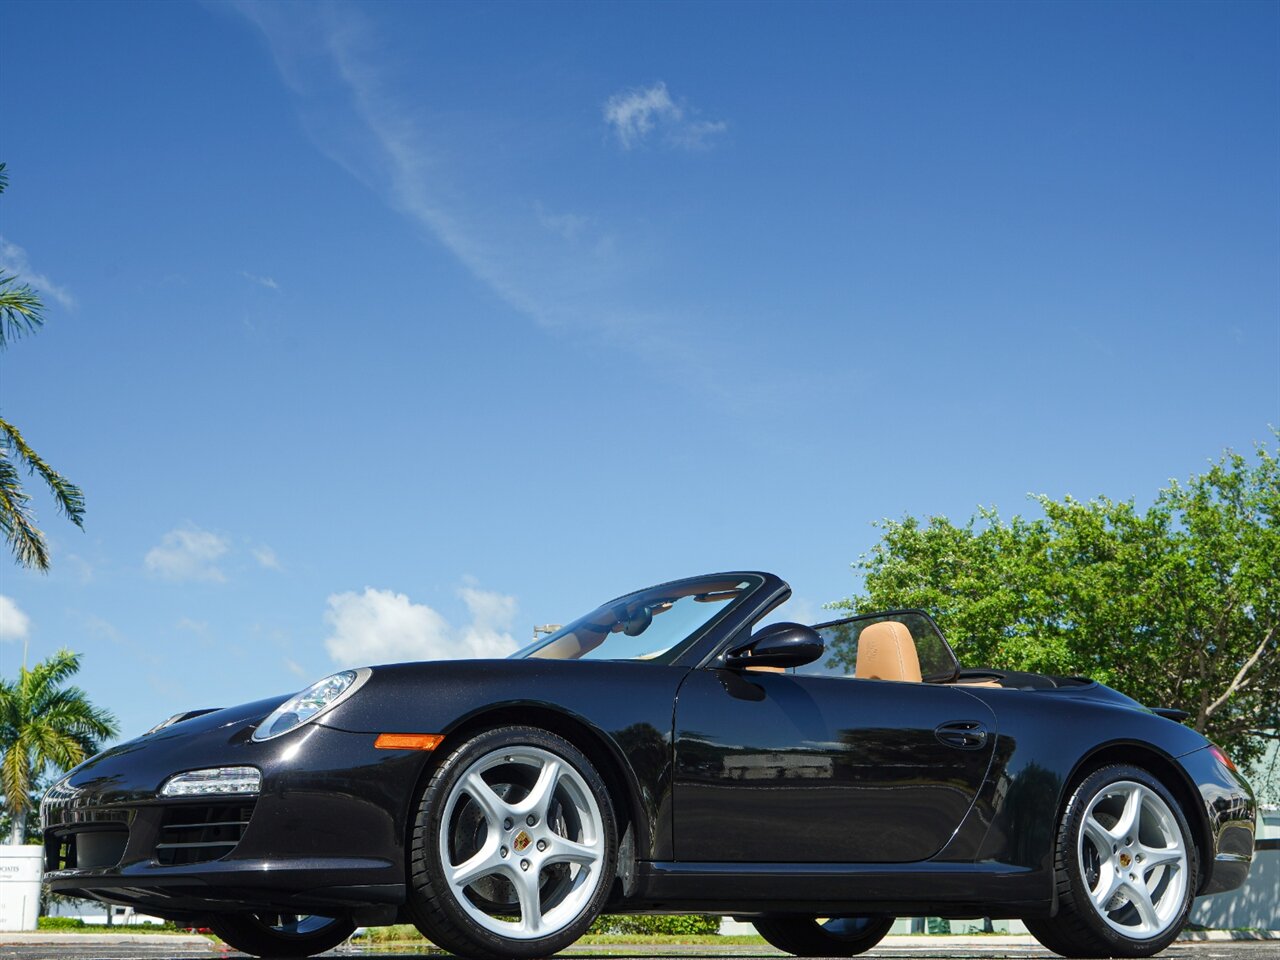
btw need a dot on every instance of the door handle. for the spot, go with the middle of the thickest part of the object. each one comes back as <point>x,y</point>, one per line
<point>962,734</point>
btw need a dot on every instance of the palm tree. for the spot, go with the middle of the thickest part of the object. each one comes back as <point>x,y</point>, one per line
<point>45,724</point>
<point>22,311</point>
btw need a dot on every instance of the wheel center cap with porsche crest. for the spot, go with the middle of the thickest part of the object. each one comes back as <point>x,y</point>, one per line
<point>521,842</point>
<point>1124,859</point>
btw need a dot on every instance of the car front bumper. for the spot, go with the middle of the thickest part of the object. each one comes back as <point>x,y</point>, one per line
<point>327,828</point>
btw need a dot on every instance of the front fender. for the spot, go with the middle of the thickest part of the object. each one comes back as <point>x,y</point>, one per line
<point>627,706</point>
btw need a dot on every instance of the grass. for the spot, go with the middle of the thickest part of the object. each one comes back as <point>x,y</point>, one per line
<point>401,934</point>
<point>152,929</point>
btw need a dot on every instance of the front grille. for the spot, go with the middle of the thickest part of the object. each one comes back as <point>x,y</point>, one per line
<point>195,833</point>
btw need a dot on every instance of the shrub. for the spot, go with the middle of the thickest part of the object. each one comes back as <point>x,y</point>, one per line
<point>59,923</point>
<point>684,924</point>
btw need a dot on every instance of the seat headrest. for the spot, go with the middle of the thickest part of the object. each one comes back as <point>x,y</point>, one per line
<point>887,652</point>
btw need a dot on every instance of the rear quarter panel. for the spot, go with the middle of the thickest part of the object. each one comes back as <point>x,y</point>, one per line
<point>1045,739</point>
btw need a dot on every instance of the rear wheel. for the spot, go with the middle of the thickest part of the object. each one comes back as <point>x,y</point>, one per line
<point>833,937</point>
<point>1126,868</point>
<point>280,936</point>
<point>514,848</point>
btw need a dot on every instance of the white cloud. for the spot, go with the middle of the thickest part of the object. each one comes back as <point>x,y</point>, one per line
<point>382,626</point>
<point>266,558</point>
<point>696,135</point>
<point>491,617</point>
<point>562,270</point>
<point>635,114</point>
<point>268,282</point>
<point>572,273</point>
<point>13,260</point>
<point>14,624</point>
<point>188,554</point>
<point>294,667</point>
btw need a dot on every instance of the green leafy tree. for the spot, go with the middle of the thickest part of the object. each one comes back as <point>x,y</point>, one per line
<point>1176,605</point>
<point>21,311</point>
<point>44,725</point>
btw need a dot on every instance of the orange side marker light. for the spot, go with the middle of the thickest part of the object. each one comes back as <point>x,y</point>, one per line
<point>408,741</point>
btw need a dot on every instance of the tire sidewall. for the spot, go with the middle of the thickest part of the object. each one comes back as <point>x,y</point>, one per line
<point>1073,822</point>
<point>428,865</point>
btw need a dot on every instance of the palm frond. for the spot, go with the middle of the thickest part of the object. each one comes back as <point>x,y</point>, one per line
<point>9,709</point>
<point>43,724</point>
<point>67,495</point>
<point>46,743</point>
<point>37,682</point>
<point>79,718</point>
<point>16,519</point>
<point>15,775</point>
<point>21,309</point>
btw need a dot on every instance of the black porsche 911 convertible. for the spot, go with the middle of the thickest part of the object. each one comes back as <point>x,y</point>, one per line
<point>657,756</point>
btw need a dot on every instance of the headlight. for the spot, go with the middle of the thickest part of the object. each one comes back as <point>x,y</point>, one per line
<point>217,780</point>
<point>311,702</point>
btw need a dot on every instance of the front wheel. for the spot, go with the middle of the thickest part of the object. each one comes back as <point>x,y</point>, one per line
<point>514,847</point>
<point>1126,868</point>
<point>833,937</point>
<point>281,936</point>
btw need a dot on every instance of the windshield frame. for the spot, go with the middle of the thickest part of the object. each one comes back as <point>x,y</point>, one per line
<point>682,652</point>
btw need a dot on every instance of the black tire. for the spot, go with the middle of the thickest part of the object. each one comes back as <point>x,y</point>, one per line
<point>837,937</point>
<point>267,935</point>
<point>434,905</point>
<point>1083,929</point>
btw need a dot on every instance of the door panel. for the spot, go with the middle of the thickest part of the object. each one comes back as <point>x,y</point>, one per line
<point>789,768</point>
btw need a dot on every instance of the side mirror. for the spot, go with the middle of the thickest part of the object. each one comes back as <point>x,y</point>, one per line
<point>777,645</point>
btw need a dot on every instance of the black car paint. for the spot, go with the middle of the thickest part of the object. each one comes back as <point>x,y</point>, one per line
<point>331,824</point>
<point>827,748</point>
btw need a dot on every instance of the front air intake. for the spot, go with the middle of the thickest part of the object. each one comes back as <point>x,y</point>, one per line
<point>198,832</point>
<point>89,846</point>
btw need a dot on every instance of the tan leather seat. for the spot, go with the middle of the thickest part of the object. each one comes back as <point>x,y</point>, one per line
<point>887,652</point>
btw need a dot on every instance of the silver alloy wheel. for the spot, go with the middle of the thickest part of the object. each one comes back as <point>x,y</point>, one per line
<point>525,817</point>
<point>1133,859</point>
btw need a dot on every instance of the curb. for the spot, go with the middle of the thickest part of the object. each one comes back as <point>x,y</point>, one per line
<point>951,941</point>
<point>55,938</point>
<point>1219,936</point>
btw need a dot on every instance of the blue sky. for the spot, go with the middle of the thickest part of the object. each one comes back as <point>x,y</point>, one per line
<point>390,330</point>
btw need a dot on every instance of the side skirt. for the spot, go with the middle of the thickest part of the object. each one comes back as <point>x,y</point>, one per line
<point>929,888</point>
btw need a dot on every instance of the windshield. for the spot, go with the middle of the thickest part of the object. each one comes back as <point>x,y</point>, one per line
<point>654,625</point>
